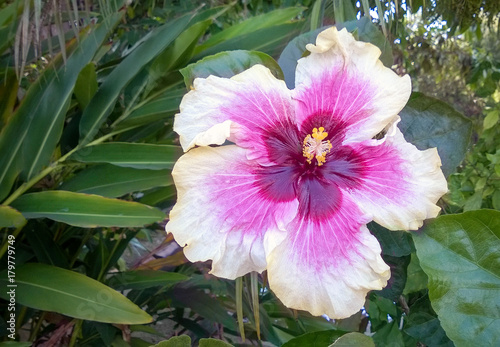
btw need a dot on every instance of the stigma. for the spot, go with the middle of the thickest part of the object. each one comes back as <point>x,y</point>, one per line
<point>315,146</point>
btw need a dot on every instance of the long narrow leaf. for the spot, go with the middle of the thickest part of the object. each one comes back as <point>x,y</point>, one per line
<point>86,210</point>
<point>50,288</point>
<point>103,101</point>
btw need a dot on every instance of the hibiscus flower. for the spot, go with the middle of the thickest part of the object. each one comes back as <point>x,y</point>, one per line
<point>300,174</point>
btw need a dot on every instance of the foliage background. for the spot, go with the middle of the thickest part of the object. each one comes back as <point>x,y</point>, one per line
<point>86,149</point>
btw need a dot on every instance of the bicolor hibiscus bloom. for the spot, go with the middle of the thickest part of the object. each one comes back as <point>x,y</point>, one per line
<point>300,174</point>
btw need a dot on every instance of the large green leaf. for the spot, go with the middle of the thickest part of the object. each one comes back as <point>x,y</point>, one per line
<point>49,288</point>
<point>353,340</point>
<point>104,100</point>
<point>427,122</point>
<point>86,85</point>
<point>267,20</point>
<point>10,217</point>
<point>134,155</point>
<point>270,40</point>
<point>228,64</point>
<point>36,126</point>
<point>86,210</point>
<point>315,339</point>
<point>114,181</point>
<point>141,279</point>
<point>461,256</point>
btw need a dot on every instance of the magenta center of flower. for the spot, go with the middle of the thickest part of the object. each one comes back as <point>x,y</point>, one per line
<point>315,146</point>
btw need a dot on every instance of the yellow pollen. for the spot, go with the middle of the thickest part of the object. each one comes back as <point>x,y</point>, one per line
<point>315,146</point>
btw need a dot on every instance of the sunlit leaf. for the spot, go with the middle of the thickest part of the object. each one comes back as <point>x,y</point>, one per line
<point>228,64</point>
<point>133,155</point>
<point>72,294</point>
<point>86,210</point>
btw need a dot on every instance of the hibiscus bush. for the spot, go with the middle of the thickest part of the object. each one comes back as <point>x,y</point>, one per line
<point>300,151</point>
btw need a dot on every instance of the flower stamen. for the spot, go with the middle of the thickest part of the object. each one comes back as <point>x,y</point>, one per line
<point>315,146</point>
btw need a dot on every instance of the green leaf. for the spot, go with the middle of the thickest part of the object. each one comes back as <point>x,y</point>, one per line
<point>8,91</point>
<point>269,40</point>
<point>84,210</point>
<point>86,85</point>
<point>315,339</point>
<point>41,240</point>
<point>176,341</point>
<point>114,181</point>
<point>397,282</point>
<point>416,279</point>
<point>52,104</point>
<point>72,294</point>
<point>134,155</point>
<point>427,329</point>
<point>267,20</point>
<point>491,119</point>
<point>393,243</point>
<point>213,343</point>
<point>141,279</point>
<point>36,126</point>
<point>10,217</point>
<point>427,122</point>
<point>104,100</point>
<point>228,64</point>
<point>461,255</point>
<point>389,333</point>
<point>201,303</point>
<point>354,340</point>
<point>157,109</point>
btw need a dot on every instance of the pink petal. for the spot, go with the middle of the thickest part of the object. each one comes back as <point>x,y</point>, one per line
<point>399,185</point>
<point>344,81</point>
<point>241,109</point>
<point>328,263</point>
<point>223,211</point>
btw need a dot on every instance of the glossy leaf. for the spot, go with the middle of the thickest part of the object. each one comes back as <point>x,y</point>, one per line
<point>35,128</point>
<point>10,217</point>
<point>427,329</point>
<point>393,243</point>
<point>84,210</point>
<point>269,40</point>
<point>315,339</point>
<point>141,279</point>
<point>72,294</point>
<point>427,122</point>
<point>461,255</point>
<point>353,340</point>
<point>114,181</point>
<point>134,155</point>
<point>416,277</point>
<point>271,19</point>
<point>104,100</point>
<point>228,64</point>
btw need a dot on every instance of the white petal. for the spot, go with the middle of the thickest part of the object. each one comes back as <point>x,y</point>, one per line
<point>221,213</point>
